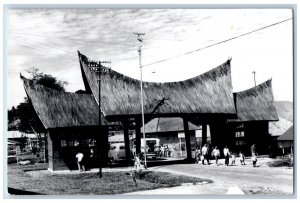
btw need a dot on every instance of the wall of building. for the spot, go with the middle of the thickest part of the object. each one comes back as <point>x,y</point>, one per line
<point>65,143</point>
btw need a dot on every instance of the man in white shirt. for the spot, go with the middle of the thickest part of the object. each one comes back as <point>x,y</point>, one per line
<point>79,157</point>
<point>226,155</point>
<point>204,151</point>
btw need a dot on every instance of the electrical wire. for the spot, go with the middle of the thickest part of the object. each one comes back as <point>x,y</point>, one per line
<point>70,39</point>
<point>227,40</point>
<point>39,49</point>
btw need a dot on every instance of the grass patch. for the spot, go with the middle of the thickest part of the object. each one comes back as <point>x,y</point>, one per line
<point>168,179</point>
<point>33,178</point>
<point>281,163</point>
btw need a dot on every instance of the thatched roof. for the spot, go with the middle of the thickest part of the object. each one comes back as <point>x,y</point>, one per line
<point>256,104</point>
<point>62,109</point>
<point>288,135</point>
<point>210,92</point>
<point>167,125</point>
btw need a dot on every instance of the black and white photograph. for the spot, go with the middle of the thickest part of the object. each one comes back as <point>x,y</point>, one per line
<point>149,101</point>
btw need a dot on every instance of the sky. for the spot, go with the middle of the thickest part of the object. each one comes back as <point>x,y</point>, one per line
<point>48,39</point>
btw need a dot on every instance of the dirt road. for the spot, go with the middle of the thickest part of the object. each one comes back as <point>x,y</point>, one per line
<point>251,180</point>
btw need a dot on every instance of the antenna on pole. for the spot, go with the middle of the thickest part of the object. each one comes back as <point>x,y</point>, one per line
<point>98,68</point>
<point>138,34</point>
<point>254,78</point>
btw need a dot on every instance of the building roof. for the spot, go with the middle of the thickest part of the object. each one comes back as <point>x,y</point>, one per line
<point>288,135</point>
<point>210,92</point>
<point>61,109</point>
<point>12,134</point>
<point>256,104</point>
<point>167,125</point>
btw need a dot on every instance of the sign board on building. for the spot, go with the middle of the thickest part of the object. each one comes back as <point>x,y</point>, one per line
<point>181,135</point>
<point>198,133</point>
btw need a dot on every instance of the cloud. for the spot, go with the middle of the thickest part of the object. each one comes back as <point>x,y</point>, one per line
<point>49,38</point>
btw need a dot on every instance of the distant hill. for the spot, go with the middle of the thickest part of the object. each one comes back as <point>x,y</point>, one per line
<point>284,109</point>
<point>285,114</point>
<point>280,127</point>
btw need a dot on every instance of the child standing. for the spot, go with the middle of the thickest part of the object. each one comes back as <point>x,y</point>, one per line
<point>254,159</point>
<point>233,159</point>
<point>242,158</point>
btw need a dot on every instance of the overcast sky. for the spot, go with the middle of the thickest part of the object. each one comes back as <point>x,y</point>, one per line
<point>48,39</point>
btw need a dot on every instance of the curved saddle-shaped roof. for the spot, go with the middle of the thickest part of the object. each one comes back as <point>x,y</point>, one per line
<point>256,104</point>
<point>208,93</point>
<point>62,109</point>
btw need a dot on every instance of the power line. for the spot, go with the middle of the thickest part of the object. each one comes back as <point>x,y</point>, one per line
<point>43,50</point>
<point>70,39</point>
<point>190,52</point>
<point>45,46</point>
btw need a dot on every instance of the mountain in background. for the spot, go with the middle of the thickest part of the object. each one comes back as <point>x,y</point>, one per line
<point>284,109</point>
<point>285,115</point>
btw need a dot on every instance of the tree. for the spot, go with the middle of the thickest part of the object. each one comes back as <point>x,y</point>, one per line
<point>47,80</point>
<point>29,121</point>
<point>23,117</point>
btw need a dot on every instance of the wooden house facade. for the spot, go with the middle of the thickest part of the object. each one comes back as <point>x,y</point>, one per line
<point>71,125</point>
<point>255,109</point>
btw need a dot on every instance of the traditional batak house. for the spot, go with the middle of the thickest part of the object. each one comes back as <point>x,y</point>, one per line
<point>286,142</point>
<point>255,109</point>
<point>71,120</point>
<point>71,124</point>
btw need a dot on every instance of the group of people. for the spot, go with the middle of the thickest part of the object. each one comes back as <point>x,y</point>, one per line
<point>203,155</point>
<point>164,151</point>
<point>82,159</point>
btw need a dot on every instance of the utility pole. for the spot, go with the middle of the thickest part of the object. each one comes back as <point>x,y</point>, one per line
<point>98,68</point>
<point>254,77</point>
<point>142,100</point>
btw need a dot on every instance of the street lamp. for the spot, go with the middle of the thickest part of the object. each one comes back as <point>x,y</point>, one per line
<point>142,100</point>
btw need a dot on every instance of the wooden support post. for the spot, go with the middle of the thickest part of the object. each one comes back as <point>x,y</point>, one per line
<point>187,139</point>
<point>204,134</point>
<point>50,151</point>
<point>138,135</point>
<point>126,140</point>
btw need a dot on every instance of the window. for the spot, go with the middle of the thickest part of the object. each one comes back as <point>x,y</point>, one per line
<point>122,147</point>
<point>71,143</point>
<point>112,147</point>
<point>92,142</point>
<point>63,143</point>
<point>239,134</point>
<point>76,143</point>
<point>240,142</point>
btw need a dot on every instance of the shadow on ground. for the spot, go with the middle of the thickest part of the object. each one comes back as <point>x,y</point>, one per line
<point>13,191</point>
<point>152,162</point>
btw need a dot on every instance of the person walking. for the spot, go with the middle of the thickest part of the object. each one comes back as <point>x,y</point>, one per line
<point>216,154</point>
<point>80,164</point>
<point>253,155</point>
<point>242,158</point>
<point>254,159</point>
<point>197,155</point>
<point>233,156</point>
<point>137,163</point>
<point>253,149</point>
<point>226,155</point>
<point>204,151</point>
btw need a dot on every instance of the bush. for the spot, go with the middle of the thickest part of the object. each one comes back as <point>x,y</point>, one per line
<point>281,163</point>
